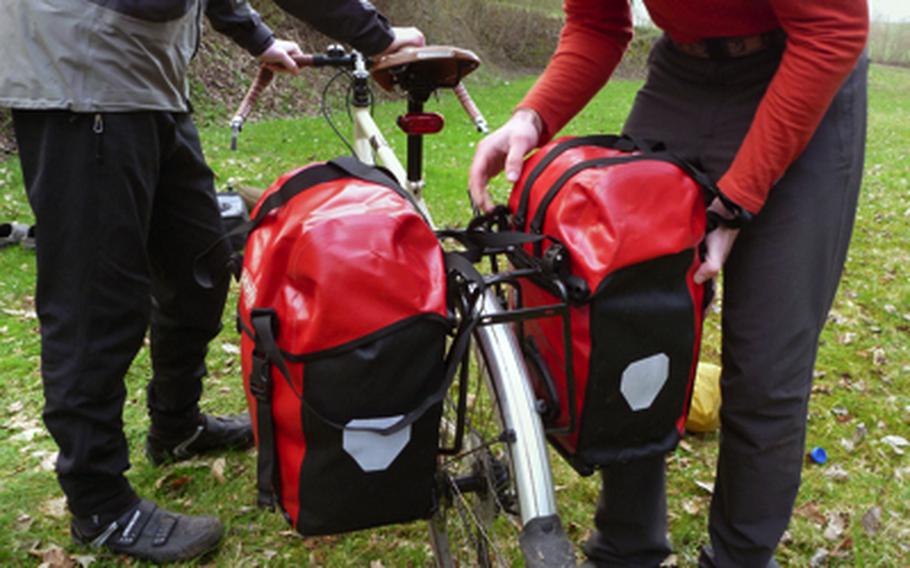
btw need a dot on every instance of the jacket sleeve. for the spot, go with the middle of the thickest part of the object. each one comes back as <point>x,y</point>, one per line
<point>237,20</point>
<point>355,22</point>
<point>592,42</point>
<point>824,40</point>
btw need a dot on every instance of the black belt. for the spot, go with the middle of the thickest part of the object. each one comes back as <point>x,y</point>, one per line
<point>731,47</point>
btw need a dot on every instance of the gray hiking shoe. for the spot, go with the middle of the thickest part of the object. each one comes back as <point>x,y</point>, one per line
<point>149,533</point>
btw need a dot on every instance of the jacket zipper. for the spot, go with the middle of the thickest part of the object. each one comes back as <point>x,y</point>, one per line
<point>98,129</point>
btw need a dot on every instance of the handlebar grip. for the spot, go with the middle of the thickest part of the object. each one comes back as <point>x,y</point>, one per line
<point>263,79</point>
<point>471,108</point>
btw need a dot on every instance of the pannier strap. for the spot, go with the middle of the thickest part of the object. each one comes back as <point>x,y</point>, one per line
<point>216,261</point>
<point>260,382</point>
<point>265,343</point>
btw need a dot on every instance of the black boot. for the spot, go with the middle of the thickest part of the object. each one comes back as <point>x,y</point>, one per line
<point>212,433</point>
<point>149,533</point>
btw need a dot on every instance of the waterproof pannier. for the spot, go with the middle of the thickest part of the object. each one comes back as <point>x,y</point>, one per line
<point>626,223</point>
<point>344,327</point>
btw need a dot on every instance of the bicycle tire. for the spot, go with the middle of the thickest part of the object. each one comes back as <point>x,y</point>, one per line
<point>497,506</point>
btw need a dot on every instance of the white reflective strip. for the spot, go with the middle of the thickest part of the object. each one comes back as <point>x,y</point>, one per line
<point>373,451</point>
<point>642,380</point>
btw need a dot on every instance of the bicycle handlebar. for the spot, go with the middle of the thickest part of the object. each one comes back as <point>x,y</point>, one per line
<point>334,57</point>
<point>467,103</point>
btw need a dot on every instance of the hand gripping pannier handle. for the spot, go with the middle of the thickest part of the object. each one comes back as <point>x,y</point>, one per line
<point>216,261</point>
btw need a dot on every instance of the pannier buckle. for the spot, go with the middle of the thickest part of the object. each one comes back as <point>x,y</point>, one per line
<point>260,378</point>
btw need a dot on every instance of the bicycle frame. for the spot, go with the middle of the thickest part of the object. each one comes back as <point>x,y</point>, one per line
<point>542,540</point>
<point>496,342</point>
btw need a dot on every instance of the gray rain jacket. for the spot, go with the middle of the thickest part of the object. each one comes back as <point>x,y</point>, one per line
<point>131,55</point>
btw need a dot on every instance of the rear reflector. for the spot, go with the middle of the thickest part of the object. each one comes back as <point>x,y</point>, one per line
<point>421,123</point>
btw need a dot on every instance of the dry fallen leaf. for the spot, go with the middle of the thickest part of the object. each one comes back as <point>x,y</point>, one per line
<point>84,560</point>
<point>172,482</point>
<point>24,522</point>
<point>15,407</point>
<point>691,506</point>
<point>878,356</point>
<point>53,557</point>
<point>809,510</point>
<point>860,433</point>
<point>218,470</point>
<point>897,443</point>
<point>837,473</point>
<point>837,524</point>
<point>819,558</point>
<point>376,564</point>
<point>230,348</point>
<point>872,520</point>
<point>707,486</point>
<point>55,507</point>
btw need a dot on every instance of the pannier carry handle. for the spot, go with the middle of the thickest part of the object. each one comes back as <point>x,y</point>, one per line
<point>216,261</point>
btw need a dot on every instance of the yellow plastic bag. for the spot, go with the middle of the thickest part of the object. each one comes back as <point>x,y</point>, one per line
<point>704,413</point>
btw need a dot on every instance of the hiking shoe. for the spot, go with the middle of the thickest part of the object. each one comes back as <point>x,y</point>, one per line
<point>28,241</point>
<point>12,233</point>
<point>149,533</point>
<point>212,433</point>
<point>706,558</point>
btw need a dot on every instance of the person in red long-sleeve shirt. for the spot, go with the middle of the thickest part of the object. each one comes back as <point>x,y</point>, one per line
<point>769,98</point>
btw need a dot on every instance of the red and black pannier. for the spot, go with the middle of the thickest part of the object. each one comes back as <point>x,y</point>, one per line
<point>631,222</point>
<point>344,326</point>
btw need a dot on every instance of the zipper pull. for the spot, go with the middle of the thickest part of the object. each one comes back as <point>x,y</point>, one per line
<point>98,129</point>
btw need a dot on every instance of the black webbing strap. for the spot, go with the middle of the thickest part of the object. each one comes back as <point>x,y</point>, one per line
<point>260,382</point>
<point>264,338</point>
<point>622,143</point>
<point>477,243</point>
<point>212,264</point>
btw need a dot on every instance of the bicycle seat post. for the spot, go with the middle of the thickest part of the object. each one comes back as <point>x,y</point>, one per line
<point>416,102</point>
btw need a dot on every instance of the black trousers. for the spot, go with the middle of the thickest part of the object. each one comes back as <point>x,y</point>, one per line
<point>779,283</point>
<point>123,202</point>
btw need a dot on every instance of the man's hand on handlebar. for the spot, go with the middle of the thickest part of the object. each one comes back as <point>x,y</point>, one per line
<point>279,56</point>
<point>504,148</point>
<point>405,37</point>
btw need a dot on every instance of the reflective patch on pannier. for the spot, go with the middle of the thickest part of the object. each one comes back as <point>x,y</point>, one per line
<point>371,450</point>
<point>642,380</point>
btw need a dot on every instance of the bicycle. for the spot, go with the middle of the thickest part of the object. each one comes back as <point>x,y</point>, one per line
<point>497,503</point>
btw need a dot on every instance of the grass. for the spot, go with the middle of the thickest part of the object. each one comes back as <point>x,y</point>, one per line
<point>862,377</point>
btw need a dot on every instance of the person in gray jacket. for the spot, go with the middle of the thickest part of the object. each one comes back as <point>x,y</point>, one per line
<point>124,202</point>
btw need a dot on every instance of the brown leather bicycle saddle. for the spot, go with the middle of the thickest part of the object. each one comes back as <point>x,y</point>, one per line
<point>424,68</point>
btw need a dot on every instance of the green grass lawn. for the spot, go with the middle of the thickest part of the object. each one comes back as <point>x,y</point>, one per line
<point>861,391</point>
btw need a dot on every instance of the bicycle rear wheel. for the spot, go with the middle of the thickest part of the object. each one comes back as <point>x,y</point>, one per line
<point>497,506</point>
